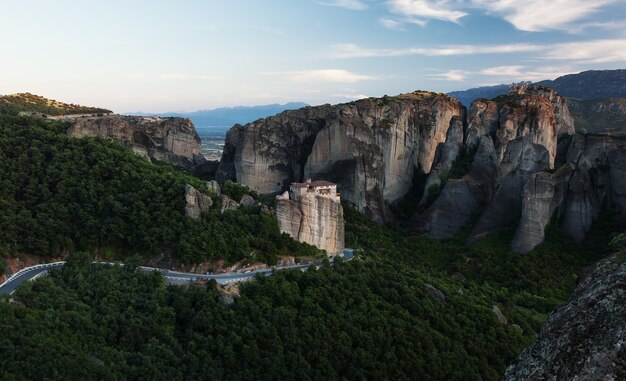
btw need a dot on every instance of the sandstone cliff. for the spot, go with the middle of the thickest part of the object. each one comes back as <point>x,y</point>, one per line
<point>312,218</point>
<point>528,163</point>
<point>582,339</point>
<point>542,171</point>
<point>372,147</point>
<point>172,140</point>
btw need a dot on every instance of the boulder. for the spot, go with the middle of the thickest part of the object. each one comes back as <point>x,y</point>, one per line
<point>501,318</point>
<point>214,187</point>
<point>247,200</point>
<point>196,202</point>
<point>435,293</point>
<point>228,204</point>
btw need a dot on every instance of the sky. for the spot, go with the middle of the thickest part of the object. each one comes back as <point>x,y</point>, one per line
<point>185,55</point>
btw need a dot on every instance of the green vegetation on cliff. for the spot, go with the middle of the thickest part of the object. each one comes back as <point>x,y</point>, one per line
<point>26,102</point>
<point>59,194</point>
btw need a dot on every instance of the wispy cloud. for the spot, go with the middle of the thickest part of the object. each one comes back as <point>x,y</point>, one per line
<point>418,11</point>
<point>528,15</point>
<point>356,51</point>
<point>356,5</point>
<point>352,97</point>
<point>586,51</point>
<point>540,15</point>
<point>391,23</point>
<point>506,74</point>
<point>325,75</point>
<point>594,51</point>
<point>452,75</point>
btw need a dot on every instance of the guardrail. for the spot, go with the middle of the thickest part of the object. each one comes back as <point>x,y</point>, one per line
<point>220,278</point>
<point>29,269</point>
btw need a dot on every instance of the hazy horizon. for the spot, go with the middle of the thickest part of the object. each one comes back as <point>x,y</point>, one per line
<point>156,56</point>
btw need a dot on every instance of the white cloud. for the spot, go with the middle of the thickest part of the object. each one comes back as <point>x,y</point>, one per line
<point>503,71</point>
<point>540,15</point>
<point>528,15</point>
<point>593,51</point>
<point>352,97</point>
<point>356,5</point>
<point>516,73</point>
<point>417,11</point>
<point>391,24</point>
<point>452,75</point>
<point>355,51</point>
<point>586,51</point>
<point>327,75</point>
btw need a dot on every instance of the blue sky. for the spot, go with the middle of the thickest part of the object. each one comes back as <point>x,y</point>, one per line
<point>158,56</point>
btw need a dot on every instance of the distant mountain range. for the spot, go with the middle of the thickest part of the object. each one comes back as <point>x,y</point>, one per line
<point>592,84</point>
<point>225,117</point>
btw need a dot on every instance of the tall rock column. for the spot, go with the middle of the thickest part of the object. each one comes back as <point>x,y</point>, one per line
<point>313,214</point>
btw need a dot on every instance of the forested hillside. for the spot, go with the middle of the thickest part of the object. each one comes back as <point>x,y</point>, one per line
<point>15,103</point>
<point>59,193</point>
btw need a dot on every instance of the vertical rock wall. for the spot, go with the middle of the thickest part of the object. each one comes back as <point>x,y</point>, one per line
<point>312,218</point>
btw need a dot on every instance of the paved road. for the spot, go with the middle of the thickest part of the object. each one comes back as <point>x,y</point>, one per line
<point>170,276</point>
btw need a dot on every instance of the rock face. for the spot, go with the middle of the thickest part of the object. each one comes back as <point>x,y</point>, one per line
<point>371,148</point>
<point>172,140</point>
<point>539,170</point>
<point>228,204</point>
<point>196,202</point>
<point>522,161</point>
<point>311,212</point>
<point>585,338</point>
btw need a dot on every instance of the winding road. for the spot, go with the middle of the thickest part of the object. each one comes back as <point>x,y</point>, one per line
<point>28,273</point>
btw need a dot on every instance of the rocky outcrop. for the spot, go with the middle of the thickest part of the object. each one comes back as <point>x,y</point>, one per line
<point>542,172</point>
<point>196,202</point>
<point>585,338</point>
<point>371,148</point>
<point>514,160</point>
<point>460,198</point>
<point>172,140</point>
<point>228,204</point>
<point>314,218</point>
<point>573,196</point>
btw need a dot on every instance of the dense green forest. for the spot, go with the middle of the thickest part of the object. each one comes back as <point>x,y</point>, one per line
<point>375,317</point>
<point>363,319</point>
<point>59,194</point>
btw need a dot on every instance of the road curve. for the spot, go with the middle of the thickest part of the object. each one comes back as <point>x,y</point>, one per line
<point>29,273</point>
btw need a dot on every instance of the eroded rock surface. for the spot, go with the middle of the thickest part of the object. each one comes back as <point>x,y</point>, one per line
<point>371,148</point>
<point>172,140</point>
<point>311,217</point>
<point>585,338</point>
<point>196,202</point>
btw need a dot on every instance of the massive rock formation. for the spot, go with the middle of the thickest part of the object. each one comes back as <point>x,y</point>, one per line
<point>372,148</point>
<point>311,212</point>
<point>172,140</point>
<point>541,172</point>
<point>516,159</point>
<point>583,339</point>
